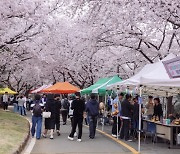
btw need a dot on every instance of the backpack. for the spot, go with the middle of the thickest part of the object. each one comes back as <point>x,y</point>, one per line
<point>37,110</point>
<point>65,104</point>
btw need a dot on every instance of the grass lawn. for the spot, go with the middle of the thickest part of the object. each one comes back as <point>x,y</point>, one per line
<point>13,129</point>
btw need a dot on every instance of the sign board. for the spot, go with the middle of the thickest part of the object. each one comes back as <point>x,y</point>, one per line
<point>173,67</point>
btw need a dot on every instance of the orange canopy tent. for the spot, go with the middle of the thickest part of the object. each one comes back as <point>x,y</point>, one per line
<point>61,88</point>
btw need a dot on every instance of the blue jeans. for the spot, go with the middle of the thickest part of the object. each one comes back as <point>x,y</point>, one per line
<point>136,124</point>
<point>15,107</point>
<point>36,121</point>
<point>21,110</point>
<point>92,126</point>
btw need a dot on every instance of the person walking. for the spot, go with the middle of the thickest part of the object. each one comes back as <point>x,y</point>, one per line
<point>116,113</point>
<point>52,105</point>
<point>37,108</point>
<point>5,101</point>
<point>92,109</point>
<point>71,98</point>
<point>126,108</point>
<point>78,107</point>
<point>65,109</point>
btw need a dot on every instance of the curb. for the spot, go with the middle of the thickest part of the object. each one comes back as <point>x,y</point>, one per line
<point>26,138</point>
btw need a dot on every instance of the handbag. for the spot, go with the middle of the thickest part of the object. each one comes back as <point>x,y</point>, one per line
<point>46,114</point>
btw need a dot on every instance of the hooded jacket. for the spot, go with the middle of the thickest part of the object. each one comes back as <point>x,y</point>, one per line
<point>92,108</point>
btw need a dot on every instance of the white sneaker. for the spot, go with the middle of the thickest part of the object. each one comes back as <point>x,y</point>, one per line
<point>79,140</point>
<point>70,138</point>
<point>75,134</point>
<point>114,135</point>
<point>51,137</point>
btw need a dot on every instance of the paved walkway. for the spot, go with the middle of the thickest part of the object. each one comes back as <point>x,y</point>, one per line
<point>60,144</point>
<point>102,144</point>
<point>148,147</point>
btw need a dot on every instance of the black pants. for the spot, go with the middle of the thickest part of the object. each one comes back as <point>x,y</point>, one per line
<point>125,129</point>
<point>57,122</point>
<point>77,120</point>
<point>71,118</point>
<point>92,126</point>
<point>5,105</point>
<point>114,127</point>
<point>64,115</point>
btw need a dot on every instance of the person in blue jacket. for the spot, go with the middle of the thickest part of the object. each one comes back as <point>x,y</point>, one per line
<point>92,109</point>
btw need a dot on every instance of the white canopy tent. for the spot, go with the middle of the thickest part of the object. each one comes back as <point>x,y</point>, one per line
<point>152,79</point>
<point>40,88</point>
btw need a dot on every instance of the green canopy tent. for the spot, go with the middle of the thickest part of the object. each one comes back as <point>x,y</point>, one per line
<point>103,88</point>
<point>100,86</point>
<point>97,84</point>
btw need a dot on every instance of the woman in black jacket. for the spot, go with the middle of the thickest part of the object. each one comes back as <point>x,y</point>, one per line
<point>158,112</point>
<point>52,105</point>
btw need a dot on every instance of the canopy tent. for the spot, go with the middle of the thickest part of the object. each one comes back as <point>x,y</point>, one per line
<point>61,88</point>
<point>97,84</point>
<point>40,88</point>
<point>3,90</point>
<point>102,88</point>
<point>154,79</point>
<point>100,85</point>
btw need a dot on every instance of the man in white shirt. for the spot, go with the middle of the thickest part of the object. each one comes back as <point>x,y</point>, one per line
<point>5,101</point>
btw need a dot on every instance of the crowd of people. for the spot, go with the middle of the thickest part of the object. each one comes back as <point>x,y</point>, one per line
<point>20,102</point>
<point>123,111</point>
<point>74,108</point>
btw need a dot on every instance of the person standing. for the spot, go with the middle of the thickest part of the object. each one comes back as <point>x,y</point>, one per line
<point>21,102</point>
<point>149,107</point>
<point>25,104</point>
<point>116,113</point>
<point>5,101</point>
<point>57,113</point>
<point>92,109</point>
<point>15,104</point>
<point>44,99</point>
<point>37,108</point>
<point>65,109</point>
<point>158,112</point>
<point>78,107</point>
<point>135,118</point>
<point>126,109</point>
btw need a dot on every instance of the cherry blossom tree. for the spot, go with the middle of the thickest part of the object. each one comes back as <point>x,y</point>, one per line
<point>80,41</point>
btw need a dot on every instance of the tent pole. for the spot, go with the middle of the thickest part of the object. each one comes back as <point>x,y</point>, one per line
<point>103,113</point>
<point>166,105</point>
<point>117,116</point>
<point>139,133</point>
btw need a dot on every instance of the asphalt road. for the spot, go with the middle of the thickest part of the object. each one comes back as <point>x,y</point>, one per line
<point>61,145</point>
<point>102,144</point>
